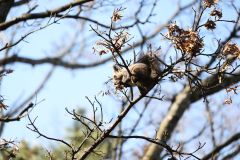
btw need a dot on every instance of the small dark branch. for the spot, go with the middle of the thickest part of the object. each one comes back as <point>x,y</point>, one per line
<point>157,98</point>
<point>31,126</point>
<point>22,114</point>
<point>162,144</point>
<point>101,109</point>
<point>196,136</point>
<point>58,62</point>
<point>78,118</point>
<point>26,35</point>
<point>21,2</point>
<point>9,147</point>
<point>105,134</point>
<point>218,149</point>
<point>49,155</point>
<point>86,19</point>
<point>5,72</point>
<point>5,143</point>
<point>155,141</point>
<point>125,93</point>
<point>93,109</point>
<point>31,96</point>
<point>146,104</point>
<point>46,14</point>
<point>233,154</point>
<point>84,141</point>
<point>201,11</point>
<point>211,84</point>
<point>81,119</point>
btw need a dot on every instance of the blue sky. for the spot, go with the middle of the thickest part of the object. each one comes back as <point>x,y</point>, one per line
<point>66,88</point>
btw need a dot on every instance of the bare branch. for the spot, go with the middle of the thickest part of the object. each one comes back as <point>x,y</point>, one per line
<point>50,13</point>
<point>22,114</point>
<point>218,148</point>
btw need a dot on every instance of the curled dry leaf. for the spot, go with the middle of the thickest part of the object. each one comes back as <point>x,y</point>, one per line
<point>210,25</point>
<point>228,101</point>
<point>231,49</point>
<point>216,13</point>
<point>210,3</point>
<point>232,89</point>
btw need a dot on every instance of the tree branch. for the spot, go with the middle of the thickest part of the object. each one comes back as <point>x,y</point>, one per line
<point>53,61</point>
<point>182,102</point>
<point>216,150</point>
<point>50,13</point>
<point>106,133</point>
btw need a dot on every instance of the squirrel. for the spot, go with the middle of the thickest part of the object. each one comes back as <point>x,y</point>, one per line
<point>144,74</point>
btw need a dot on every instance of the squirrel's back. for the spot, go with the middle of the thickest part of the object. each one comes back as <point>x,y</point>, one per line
<point>144,73</point>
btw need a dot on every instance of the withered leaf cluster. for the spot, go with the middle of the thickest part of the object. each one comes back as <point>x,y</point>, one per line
<point>187,41</point>
<point>210,24</point>
<point>232,89</point>
<point>231,49</point>
<point>209,3</point>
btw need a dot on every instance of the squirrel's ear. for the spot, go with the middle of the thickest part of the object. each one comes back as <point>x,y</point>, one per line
<point>116,68</point>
